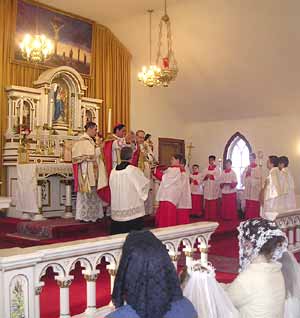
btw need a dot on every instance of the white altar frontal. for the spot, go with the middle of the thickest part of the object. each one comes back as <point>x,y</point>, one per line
<point>43,123</point>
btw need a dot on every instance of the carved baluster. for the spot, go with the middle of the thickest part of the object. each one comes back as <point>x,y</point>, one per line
<point>90,277</point>
<point>68,204</point>
<point>64,284</point>
<point>174,258</point>
<point>291,235</point>
<point>112,270</point>
<point>203,247</point>
<point>38,290</point>
<point>189,254</point>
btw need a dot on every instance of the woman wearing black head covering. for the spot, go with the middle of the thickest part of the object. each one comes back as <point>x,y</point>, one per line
<point>146,284</point>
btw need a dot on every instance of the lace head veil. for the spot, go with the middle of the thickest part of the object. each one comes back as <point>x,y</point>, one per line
<point>146,278</point>
<point>253,234</point>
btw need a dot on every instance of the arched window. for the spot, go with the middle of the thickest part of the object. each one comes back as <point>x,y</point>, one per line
<point>238,149</point>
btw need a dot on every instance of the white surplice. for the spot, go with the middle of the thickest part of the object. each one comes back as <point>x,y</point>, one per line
<point>276,188</point>
<point>211,187</point>
<point>185,201</point>
<point>252,183</point>
<point>196,188</point>
<point>228,177</point>
<point>129,191</point>
<point>170,186</point>
<point>289,197</point>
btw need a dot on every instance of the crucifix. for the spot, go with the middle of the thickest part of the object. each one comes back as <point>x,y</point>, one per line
<point>189,156</point>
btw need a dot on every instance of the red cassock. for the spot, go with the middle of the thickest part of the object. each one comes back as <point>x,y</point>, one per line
<point>166,214</point>
<point>104,193</point>
<point>197,204</point>
<point>252,209</point>
<point>229,206</point>
<point>135,157</point>
<point>183,216</point>
<point>211,209</point>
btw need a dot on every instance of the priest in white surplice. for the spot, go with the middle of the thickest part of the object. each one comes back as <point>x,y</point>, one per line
<point>89,175</point>
<point>129,191</point>
<point>274,189</point>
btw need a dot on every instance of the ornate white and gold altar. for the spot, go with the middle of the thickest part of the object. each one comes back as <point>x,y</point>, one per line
<point>43,123</point>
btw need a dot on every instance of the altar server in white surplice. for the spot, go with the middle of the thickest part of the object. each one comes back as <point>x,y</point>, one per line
<point>211,187</point>
<point>89,175</point>
<point>252,181</point>
<point>129,191</point>
<point>274,189</point>
<point>289,197</point>
<point>184,207</point>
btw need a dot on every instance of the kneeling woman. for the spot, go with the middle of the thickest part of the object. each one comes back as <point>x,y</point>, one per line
<point>146,284</point>
<point>259,291</point>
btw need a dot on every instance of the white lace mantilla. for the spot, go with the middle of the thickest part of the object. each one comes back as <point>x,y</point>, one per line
<point>129,214</point>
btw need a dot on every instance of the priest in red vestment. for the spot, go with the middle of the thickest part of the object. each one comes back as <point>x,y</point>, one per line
<point>211,189</point>
<point>197,191</point>
<point>169,192</point>
<point>252,181</point>
<point>111,153</point>
<point>228,183</point>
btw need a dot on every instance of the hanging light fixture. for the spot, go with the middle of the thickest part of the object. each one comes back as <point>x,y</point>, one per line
<point>169,67</point>
<point>149,76</point>
<point>36,48</point>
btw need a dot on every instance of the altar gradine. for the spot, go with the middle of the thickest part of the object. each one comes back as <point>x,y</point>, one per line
<point>43,123</point>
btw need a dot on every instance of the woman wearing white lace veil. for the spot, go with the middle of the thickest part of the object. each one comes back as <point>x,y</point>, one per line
<point>268,283</point>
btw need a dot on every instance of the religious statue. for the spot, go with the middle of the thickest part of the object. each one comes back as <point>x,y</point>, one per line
<point>59,103</point>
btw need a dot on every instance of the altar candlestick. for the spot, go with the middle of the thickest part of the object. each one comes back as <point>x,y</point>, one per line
<point>21,111</point>
<point>109,120</point>
<point>51,113</point>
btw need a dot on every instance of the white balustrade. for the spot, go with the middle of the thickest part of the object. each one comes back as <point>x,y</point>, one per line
<point>21,270</point>
<point>289,222</point>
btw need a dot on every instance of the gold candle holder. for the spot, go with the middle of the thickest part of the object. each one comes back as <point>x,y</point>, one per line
<point>61,157</point>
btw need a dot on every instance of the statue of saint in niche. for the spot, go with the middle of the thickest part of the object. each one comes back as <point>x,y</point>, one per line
<point>60,103</point>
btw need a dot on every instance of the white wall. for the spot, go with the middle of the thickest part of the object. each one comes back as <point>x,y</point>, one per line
<point>278,135</point>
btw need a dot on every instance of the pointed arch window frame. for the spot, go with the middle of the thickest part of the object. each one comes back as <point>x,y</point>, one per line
<point>230,145</point>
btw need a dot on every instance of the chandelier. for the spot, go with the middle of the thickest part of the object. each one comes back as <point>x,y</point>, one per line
<point>150,76</point>
<point>169,67</point>
<point>36,48</point>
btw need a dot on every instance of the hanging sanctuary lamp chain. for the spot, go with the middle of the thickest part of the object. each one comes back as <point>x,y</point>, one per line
<point>169,67</point>
<point>150,76</point>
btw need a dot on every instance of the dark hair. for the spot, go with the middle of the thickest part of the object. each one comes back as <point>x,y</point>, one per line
<point>126,153</point>
<point>212,157</point>
<point>195,165</point>
<point>228,161</point>
<point>274,160</point>
<point>270,246</point>
<point>146,278</point>
<point>118,127</point>
<point>140,131</point>
<point>284,160</point>
<point>147,136</point>
<point>253,155</point>
<point>89,124</point>
<point>180,157</point>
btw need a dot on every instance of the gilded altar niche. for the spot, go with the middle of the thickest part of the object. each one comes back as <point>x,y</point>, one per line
<point>44,121</point>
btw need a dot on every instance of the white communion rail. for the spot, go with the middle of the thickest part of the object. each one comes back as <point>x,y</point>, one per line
<point>21,269</point>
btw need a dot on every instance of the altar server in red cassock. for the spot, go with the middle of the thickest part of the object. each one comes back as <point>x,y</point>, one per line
<point>184,207</point>
<point>211,189</point>
<point>111,153</point>
<point>252,181</point>
<point>169,192</point>
<point>228,183</point>
<point>197,191</point>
